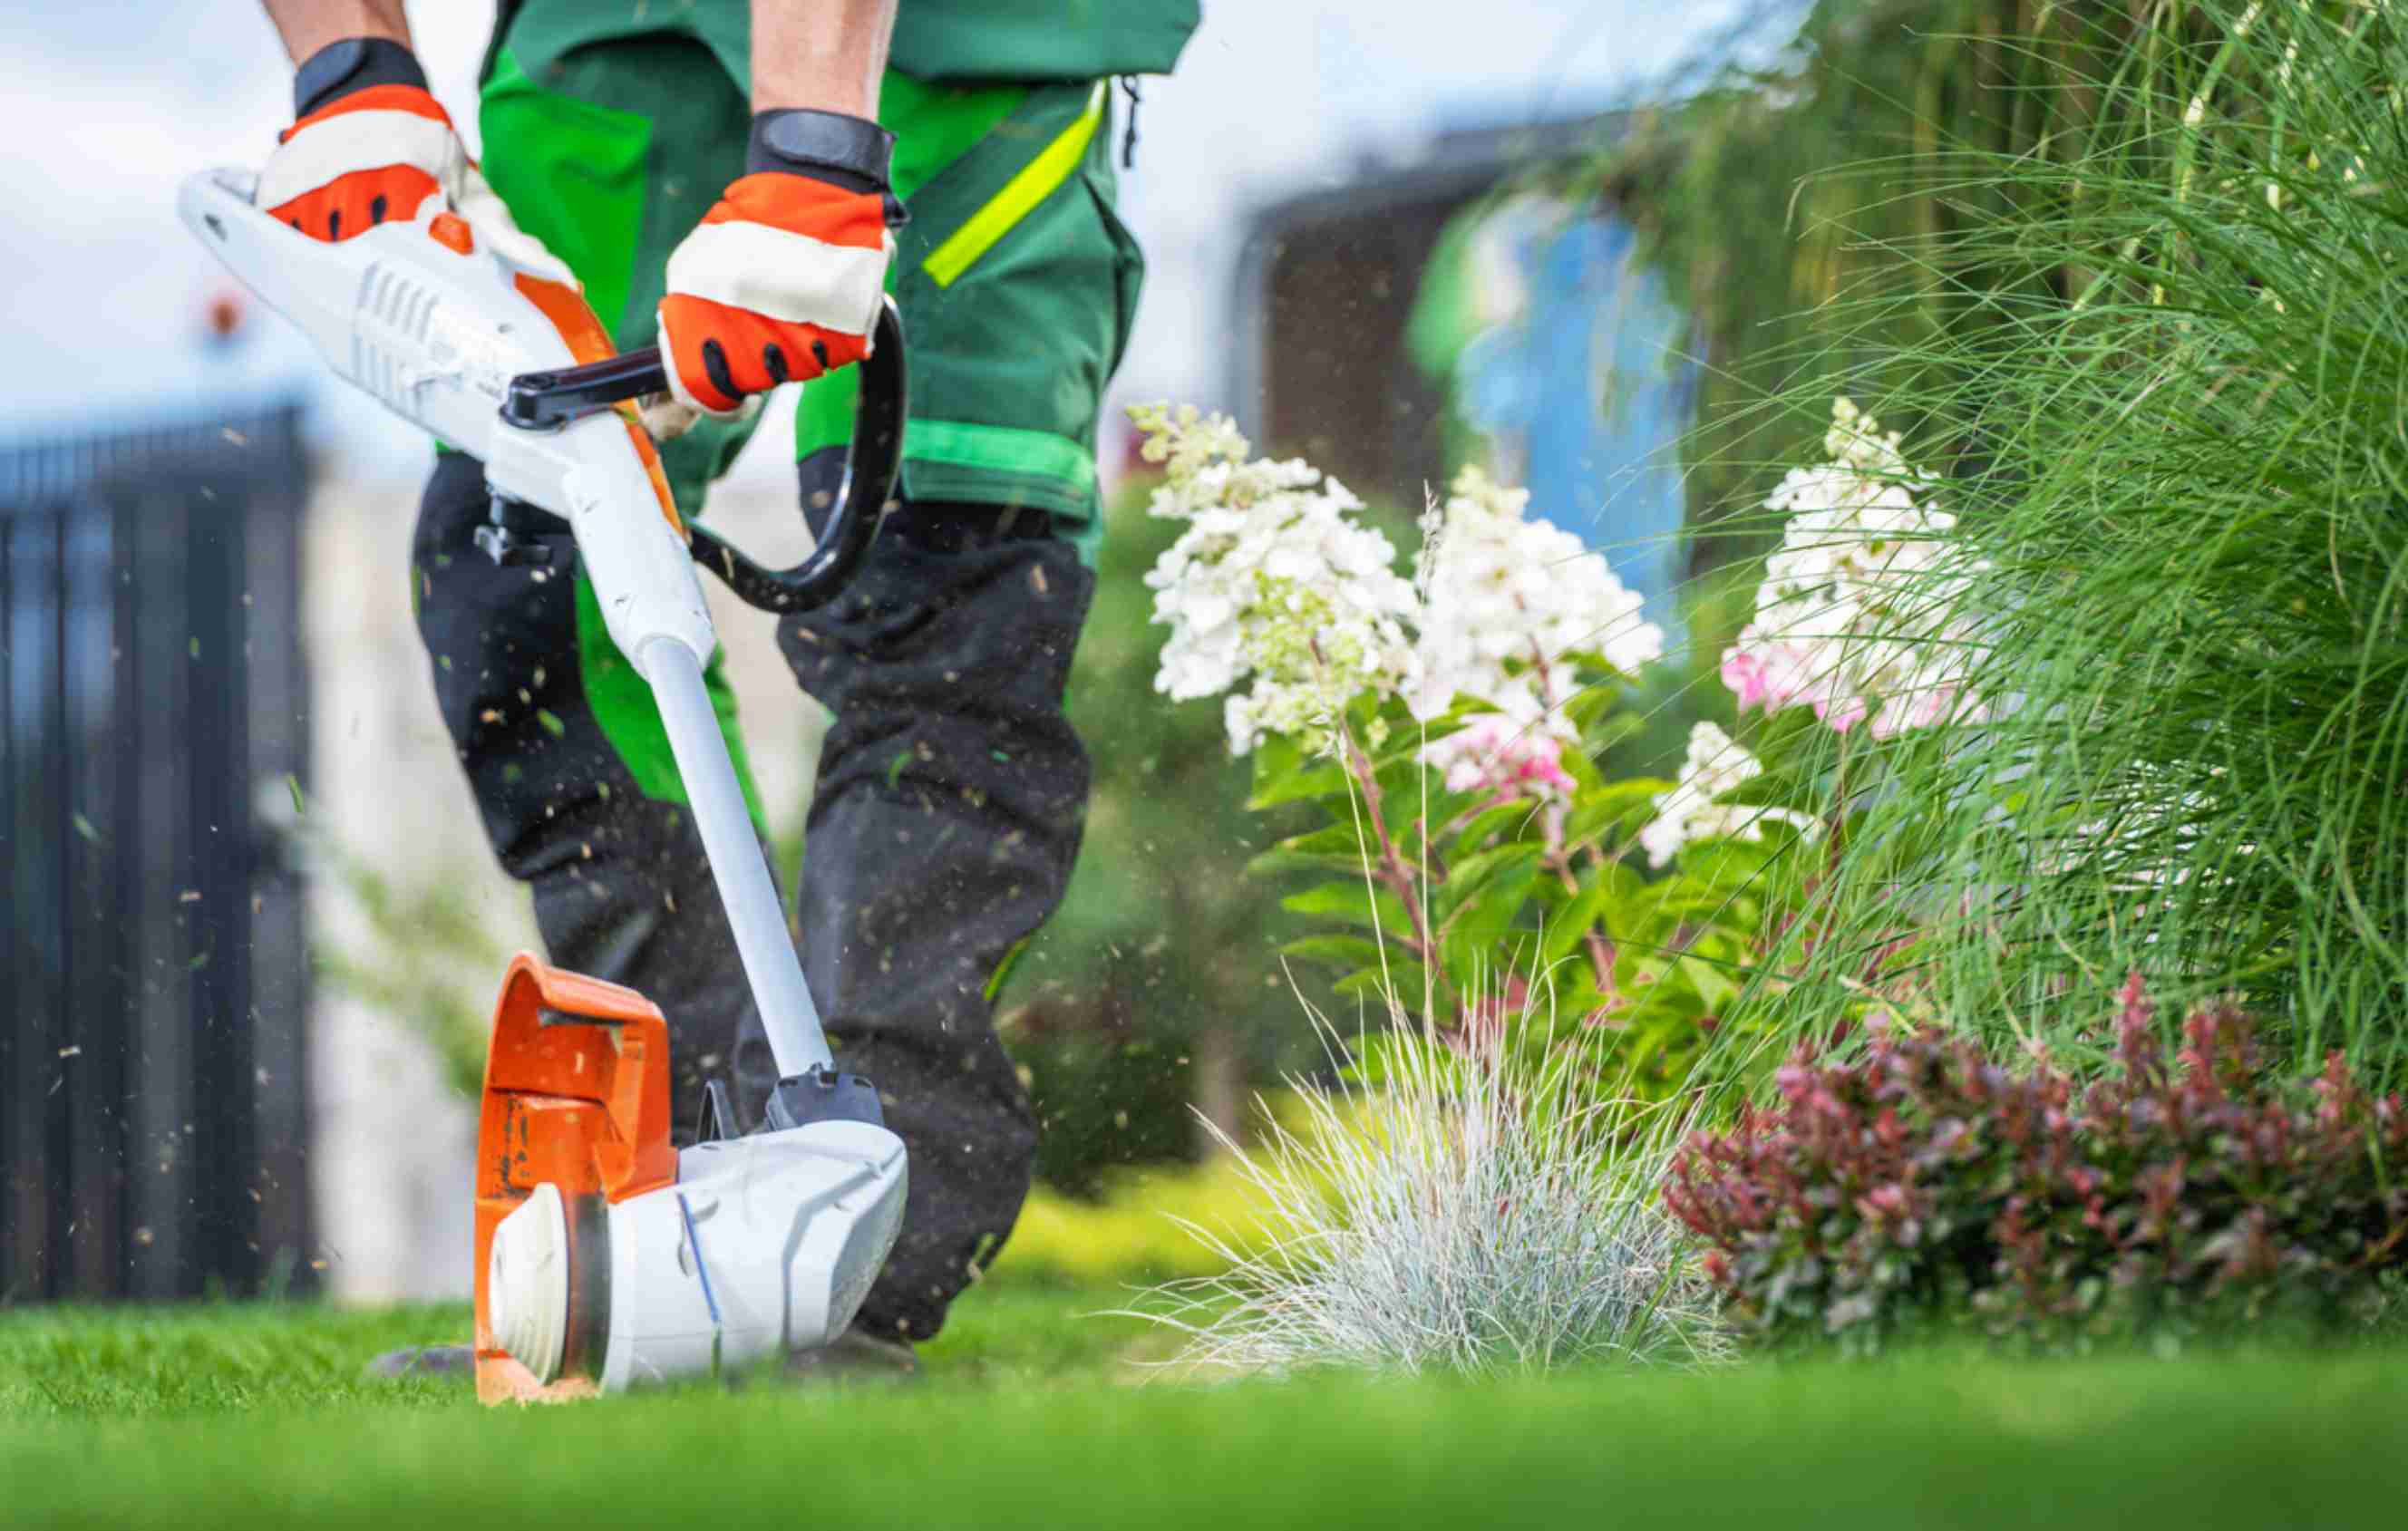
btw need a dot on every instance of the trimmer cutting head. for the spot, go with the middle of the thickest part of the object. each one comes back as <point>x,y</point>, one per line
<point>605,1257</point>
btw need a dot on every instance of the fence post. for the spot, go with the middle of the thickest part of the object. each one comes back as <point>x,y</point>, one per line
<point>155,984</point>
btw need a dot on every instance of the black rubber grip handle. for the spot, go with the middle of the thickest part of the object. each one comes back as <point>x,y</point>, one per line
<point>541,401</point>
<point>870,468</point>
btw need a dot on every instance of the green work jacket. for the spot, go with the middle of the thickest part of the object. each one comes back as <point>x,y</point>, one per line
<point>940,41</point>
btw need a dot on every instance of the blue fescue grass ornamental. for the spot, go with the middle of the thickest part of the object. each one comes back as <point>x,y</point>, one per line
<point>1475,1212</point>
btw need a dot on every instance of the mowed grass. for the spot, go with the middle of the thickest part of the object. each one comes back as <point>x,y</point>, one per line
<point>1036,1416</point>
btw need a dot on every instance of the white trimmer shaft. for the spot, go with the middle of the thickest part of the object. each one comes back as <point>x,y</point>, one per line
<point>754,915</point>
<point>436,334</point>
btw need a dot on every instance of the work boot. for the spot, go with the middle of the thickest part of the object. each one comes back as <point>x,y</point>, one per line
<point>425,1361</point>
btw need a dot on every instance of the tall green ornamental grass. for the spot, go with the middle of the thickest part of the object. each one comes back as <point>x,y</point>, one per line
<point>2176,449</point>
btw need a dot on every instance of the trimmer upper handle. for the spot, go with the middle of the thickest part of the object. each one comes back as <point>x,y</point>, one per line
<point>542,400</point>
<point>539,401</point>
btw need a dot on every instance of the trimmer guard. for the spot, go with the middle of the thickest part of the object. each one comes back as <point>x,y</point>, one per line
<point>577,1096</point>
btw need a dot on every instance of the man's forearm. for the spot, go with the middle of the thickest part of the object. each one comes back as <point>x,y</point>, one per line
<point>825,54</point>
<point>309,25</point>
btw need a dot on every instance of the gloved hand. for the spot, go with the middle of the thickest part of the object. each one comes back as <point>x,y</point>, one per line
<point>783,278</point>
<point>370,145</point>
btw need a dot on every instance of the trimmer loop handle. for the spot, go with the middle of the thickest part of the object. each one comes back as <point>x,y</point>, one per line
<point>540,400</point>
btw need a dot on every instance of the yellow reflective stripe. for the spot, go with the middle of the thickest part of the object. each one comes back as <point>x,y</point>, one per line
<point>1037,181</point>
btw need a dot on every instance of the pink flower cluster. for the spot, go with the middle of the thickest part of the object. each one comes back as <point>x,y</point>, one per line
<point>1515,759</point>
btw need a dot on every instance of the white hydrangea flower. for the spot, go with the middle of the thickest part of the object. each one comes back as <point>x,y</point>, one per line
<point>1273,586</point>
<point>1694,810</point>
<point>1278,596</point>
<point>1501,593</point>
<point>1858,617</point>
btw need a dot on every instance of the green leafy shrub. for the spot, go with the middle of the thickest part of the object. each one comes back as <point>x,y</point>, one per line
<point>1543,925</point>
<point>1472,866</point>
<point>1924,1186</point>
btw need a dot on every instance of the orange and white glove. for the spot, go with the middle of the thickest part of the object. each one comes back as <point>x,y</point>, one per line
<point>783,278</point>
<point>370,146</point>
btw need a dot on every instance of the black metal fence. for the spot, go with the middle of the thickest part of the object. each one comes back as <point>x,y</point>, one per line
<point>154,981</point>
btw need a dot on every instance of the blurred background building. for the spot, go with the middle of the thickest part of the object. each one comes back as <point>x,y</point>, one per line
<point>242,1023</point>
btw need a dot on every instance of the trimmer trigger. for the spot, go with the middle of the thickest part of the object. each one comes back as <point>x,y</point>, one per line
<point>500,541</point>
<point>718,1116</point>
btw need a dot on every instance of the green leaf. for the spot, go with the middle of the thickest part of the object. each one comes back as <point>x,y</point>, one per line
<point>1275,757</point>
<point>1726,865</point>
<point>1318,779</point>
<point>1619,808</point>
<point>1505,818</point>
<point>1782,787</point>
<point>1464,879</point>
<point>1716,987</point>
<point>1480,943</point>
<point>1340,951</point>
<point>1413,735</point>
<point>1575,997</point>
<point>1600,890</point>
<point>1353,902</point>
<point>1407,982</point>
<point>1592,702</point>
<point>1405,819</point>
<point>1715,911</point>
<point>1332,848</point>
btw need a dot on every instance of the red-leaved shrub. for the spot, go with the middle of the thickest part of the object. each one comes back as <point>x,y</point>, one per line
<point>1925,1187</point>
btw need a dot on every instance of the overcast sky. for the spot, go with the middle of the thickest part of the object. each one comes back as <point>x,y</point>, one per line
<point>112,102</point>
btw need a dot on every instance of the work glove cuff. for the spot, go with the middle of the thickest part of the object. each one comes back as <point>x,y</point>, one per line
<point>853,153</point>
<point>349,65</point>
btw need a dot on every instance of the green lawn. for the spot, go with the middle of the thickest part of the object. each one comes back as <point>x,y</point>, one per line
<point>1035,1416</point>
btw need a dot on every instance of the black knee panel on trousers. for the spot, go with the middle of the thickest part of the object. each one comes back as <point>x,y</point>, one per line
<point>952,794</point>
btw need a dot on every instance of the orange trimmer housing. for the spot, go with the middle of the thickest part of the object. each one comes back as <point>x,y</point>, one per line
<point>577,1092</point>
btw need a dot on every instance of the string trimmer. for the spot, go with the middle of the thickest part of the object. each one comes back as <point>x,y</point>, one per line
<point>604,1255</point>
